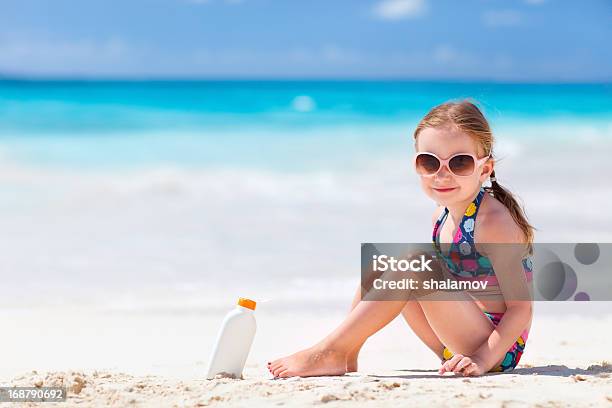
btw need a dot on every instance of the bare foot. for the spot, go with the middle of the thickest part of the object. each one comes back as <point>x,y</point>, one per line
<point>312,362</point>
<point>351,361</point>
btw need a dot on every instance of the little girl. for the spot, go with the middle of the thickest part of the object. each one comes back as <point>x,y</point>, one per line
<point>471,335</point>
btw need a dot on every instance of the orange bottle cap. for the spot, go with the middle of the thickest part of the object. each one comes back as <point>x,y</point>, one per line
<point>248,303</point>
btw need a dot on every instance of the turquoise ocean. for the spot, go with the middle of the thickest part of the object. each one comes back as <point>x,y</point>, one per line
<point>280,125</point>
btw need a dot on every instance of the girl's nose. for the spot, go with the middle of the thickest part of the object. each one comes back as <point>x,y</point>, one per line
<point>444,172</point>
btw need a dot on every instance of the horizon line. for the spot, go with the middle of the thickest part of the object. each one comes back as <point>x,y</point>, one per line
<point>212,78</point>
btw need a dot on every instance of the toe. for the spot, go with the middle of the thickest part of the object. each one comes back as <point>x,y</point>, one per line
<point>285,374</point>
<point>278,370</point>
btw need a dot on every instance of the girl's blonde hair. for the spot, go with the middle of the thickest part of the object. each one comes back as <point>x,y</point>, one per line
<point>466,116</point>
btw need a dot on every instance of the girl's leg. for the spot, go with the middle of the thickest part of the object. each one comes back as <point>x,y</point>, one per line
<point>414,316</point>
<point>329,356</point>
<point>455,318</point>
<point>416,319</point>
<point>458,323</point>
<point>353,355</point>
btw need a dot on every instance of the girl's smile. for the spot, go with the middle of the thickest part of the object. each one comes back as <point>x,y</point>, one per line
<point>444,190</point>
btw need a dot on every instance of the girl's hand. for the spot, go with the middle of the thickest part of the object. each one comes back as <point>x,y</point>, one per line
<point>460,364</point>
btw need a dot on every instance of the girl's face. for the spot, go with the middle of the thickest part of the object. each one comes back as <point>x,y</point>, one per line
<point>445,142</point>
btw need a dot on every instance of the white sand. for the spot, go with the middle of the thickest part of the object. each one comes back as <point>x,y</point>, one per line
<point>159,360</point>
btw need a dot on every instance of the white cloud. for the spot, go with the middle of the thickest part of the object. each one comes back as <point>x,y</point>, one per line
<point>502,18</point>
<point>535,2</point>
<point>400,9</point>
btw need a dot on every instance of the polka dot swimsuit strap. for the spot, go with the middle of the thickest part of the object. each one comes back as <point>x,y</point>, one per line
<point>465,232</point>
<point>463,259</point>
<point>466,226</point>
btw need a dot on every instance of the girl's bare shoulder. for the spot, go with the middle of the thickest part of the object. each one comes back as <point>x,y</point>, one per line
<point>495,223</point>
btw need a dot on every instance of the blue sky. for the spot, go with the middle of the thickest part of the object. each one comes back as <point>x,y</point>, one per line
<point>522,40</point>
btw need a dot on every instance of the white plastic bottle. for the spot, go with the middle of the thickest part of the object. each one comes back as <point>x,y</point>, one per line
<point>234,341</point>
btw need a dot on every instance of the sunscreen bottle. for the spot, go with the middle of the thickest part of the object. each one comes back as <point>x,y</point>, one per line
<point>233,341</point>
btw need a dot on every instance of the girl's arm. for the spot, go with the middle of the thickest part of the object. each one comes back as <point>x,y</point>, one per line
<point>505,248</point>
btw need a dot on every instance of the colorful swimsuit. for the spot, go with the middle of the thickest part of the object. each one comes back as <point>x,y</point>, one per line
<point>467,264</point>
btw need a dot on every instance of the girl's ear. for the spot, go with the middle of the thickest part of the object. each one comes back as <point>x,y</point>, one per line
<point>487,169</point>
